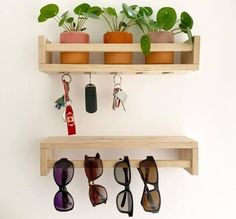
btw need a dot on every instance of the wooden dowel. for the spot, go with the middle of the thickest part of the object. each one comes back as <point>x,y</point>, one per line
<point>133,163</point>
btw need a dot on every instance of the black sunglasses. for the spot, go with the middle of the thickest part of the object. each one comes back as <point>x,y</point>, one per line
<point>124,200</point>
<point>151,199</point>
<point>63,173</point>
<point>93,170</point>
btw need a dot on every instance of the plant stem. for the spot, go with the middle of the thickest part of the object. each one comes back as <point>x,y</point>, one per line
<point>177,32</point>
<point>107,22</point>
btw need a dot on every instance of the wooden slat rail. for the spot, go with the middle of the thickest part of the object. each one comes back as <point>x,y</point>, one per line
<point>100,47</point>
<point>188,149</point>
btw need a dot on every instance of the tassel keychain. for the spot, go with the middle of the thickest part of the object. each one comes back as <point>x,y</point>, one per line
<point>64,101</point>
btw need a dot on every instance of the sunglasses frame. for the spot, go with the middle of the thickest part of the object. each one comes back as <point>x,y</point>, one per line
<point>91,182</point>
<point>156,186</point>
<point>126,185</point>
<point>63,188</point>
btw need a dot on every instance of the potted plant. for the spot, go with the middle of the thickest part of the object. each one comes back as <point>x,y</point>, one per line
<point>118,25</point>
<point>73,28</point>
<point>161,30</point>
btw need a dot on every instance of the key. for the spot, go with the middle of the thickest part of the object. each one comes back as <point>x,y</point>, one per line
<point>121,95</point>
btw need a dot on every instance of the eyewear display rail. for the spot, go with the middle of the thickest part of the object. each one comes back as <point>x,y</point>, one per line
<point>187,148</point>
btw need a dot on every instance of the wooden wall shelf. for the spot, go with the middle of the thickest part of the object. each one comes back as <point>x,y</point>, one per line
<point>189,57</point>
<point>188,150</point>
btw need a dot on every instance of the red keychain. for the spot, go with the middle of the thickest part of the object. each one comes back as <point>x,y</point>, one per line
<point>64,101</point>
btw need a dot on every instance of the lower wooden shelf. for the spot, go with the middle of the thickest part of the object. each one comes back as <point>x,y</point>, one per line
<point>188,149</point>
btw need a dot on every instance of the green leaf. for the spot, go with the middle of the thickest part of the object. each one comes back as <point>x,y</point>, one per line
<point>187,20</point>
<point>65,14</point>
<point>83,29</point>
<point>62,21</point>
<point>49,11</point>
<point>41,19</point>
<point>111,11</point>
<point>122,24</point>
<point>145,11</point>
<point>95,10</point>
<point>133,7</point>
<point>166,18</point>
<point>82,8</point>
<point>145,44</point>
<point>183,27</point>
<point>129,12</point>
<point>154,26</point>
<point>70,20</point>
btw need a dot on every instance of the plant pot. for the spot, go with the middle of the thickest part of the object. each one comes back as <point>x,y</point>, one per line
<point>74,57</point>
<point>160,57</point>
<point>118,57</point>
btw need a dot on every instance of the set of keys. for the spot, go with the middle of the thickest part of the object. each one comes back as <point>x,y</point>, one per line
<point>119,96</point>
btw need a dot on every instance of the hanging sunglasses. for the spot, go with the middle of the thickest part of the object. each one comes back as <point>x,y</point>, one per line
<point>93,170</point>
<point>122,173</point>
<point>63,173</point>
<point>151,199</point>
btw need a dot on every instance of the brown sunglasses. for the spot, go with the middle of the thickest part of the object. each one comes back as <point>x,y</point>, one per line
<point>93,170</point>
<point>151,199</point>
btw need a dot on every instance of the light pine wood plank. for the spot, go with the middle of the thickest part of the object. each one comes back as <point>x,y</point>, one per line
<point>100,47</point>
<point>128,142</point>
<point>133,163</point>
<point>104,69</point>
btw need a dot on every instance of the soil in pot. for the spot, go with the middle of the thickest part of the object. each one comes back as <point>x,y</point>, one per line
<point>74,57</point>
<point>118,57</point>
<point>160,57</point>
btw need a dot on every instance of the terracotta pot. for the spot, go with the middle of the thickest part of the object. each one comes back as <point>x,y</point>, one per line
<point>160,57</point>
<point>74,57</point>
<point>118,57</point>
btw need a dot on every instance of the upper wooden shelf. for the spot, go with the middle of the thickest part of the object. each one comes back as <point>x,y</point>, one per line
<point>188,149</point>
<point>189,60</point>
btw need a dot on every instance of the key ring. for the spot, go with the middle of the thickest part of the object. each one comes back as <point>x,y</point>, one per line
<point>114,79</point>
<point>64,76</point>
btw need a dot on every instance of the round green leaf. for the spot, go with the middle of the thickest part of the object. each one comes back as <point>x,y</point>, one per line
<point>166,18</point>
<point>111,11</point>
<point>70,20</point>
<point>187,20</point>
<point>65,14</point>
<point>145,44</point>
<point>95,10</point>
<point>183,27</point>
<point>49,11</point>
<point>145,10</point>
<point>82,8</point>
<point>41,19</point>
<point>129,12</point>
<point>62,21</point>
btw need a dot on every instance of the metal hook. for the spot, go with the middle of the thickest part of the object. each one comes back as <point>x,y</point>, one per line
<point>66,75</point>
<point>90,77</point>
<point>114,79</point>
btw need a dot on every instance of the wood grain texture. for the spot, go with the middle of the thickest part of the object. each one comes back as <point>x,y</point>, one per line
<point>128,142</point>
<point>100,47</point>
<point>125,69</point>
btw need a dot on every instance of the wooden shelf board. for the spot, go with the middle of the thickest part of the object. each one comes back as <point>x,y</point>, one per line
<point>100,47</point>
<point>103,68</point>
<point>129,142</point>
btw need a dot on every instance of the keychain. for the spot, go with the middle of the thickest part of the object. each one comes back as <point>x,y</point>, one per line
<point>64,101</point>
<point>119,96</point>
<point>90,97</point>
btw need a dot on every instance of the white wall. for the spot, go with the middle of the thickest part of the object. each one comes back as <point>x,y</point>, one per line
<point>200,105</point>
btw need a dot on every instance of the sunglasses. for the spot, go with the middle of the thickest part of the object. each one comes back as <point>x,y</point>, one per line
<point>93,170</point>
<point>122,173</point>
<point>63,173</point>
<point>151,199</point>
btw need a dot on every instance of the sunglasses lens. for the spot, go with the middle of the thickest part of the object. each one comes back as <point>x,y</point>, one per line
<point>93,168</point>
<point>149,171</point>
<point>63,172</point>
<point>63,201</point>
<point>97,194</point>
<point>151,201</point>
<point>122,173</point>
<point>124,202</point>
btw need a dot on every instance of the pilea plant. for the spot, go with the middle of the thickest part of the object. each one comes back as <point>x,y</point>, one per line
<point>67,22</point>
<point>117,21</point>
<point>166,20</point>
